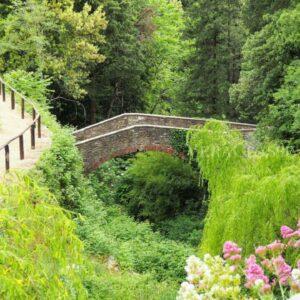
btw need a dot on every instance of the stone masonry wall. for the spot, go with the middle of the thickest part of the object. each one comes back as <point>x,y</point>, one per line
<point>131,139</point>
<point>131,119</point>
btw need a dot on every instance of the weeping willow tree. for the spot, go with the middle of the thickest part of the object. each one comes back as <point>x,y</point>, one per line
<point>252,193</point>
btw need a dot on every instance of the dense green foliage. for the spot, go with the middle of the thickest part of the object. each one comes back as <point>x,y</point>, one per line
<point>128,286</point>
<point>276,43</point>
<point>252,192</point>
<point>185,228</point>
<point>199,58</point>
<point>282,123</point>
<point>109,231</point>
<point>167,51</point>
<point>217,33</point>
<point>31,84</point>
<point>255,11</point>
<point>110,183</point>
<point>265,89</point>
<point>121,76</point>
<point>125,231</point>
<point>41,256</point>
<point>53,39</point>
<point>158,186</point>
<point>106,231</point>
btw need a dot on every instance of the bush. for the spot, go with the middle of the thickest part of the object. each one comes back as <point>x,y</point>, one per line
<point>32,85</point>
<point>107,180</point>
<point>178,142</point>
<point>251,192</point>
<point>112,285</point>
<point>158,186</point>
<point>62,170</point>
<point>108,231</point>
<point>184,228</point>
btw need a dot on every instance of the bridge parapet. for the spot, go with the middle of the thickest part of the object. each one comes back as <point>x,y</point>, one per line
<point>130,119</point>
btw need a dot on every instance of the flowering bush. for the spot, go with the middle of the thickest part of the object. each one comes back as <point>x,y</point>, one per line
<point>263,275</point>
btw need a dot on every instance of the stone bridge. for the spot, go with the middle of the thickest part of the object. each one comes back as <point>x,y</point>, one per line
<point>133,132</point>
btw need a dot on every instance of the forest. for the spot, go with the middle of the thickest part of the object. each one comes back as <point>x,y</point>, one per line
<point>219,218</point>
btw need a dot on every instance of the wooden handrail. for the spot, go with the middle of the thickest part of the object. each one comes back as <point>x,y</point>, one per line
<point>32,126</point>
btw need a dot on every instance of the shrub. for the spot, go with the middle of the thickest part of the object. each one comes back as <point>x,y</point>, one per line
<point>252,192</point>
<point>178,142</point>
<point>107,180</point>
<point>32,85</point>
<point>108,231</point>
<point>183,228</point>
<point>158,186</point>
<point>62,170</point>
<point>117,285</point>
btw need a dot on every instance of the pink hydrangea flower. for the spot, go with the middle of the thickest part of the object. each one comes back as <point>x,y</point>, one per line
<point>297,233</point>
<point>235,258</point>
<point>231,251</point>
<point>282,269</point>
<point>293,243</point>
<point>276,246</point>
<point>286,232</point>
<point>267,264</point>
<point>261,250</point>
<point>254,273</point>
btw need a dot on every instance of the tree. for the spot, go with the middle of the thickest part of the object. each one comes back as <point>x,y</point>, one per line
<point>166,49</point>
<point>50,38</point>
<point>266,56</point>
<point>218,34</point>
<point>282,122</point>
<point>118,84</point>
<point>254,12</point>
<point>158,186</point>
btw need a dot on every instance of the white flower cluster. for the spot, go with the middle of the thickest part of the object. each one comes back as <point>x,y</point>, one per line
<point>210,278</point>
<point>295,281</point>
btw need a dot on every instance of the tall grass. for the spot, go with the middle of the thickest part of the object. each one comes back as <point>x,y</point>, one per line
<point>40,255</point>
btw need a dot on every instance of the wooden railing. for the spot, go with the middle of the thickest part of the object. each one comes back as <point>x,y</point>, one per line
<point>36,121</point>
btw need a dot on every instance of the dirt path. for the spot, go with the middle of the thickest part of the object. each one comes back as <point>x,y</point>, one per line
<point>11,125</point>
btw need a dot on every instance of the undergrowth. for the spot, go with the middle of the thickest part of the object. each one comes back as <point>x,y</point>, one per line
<point>41,257</point>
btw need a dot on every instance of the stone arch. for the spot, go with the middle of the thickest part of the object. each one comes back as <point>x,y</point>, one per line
<point>130,133</point>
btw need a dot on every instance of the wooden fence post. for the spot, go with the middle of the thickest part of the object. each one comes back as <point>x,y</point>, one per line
<point>3,92</point>
<point>21,146</point>
<point>13,100</point>
<point>6,148</point>
<point>39,127</point>
<point>32,136</point>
